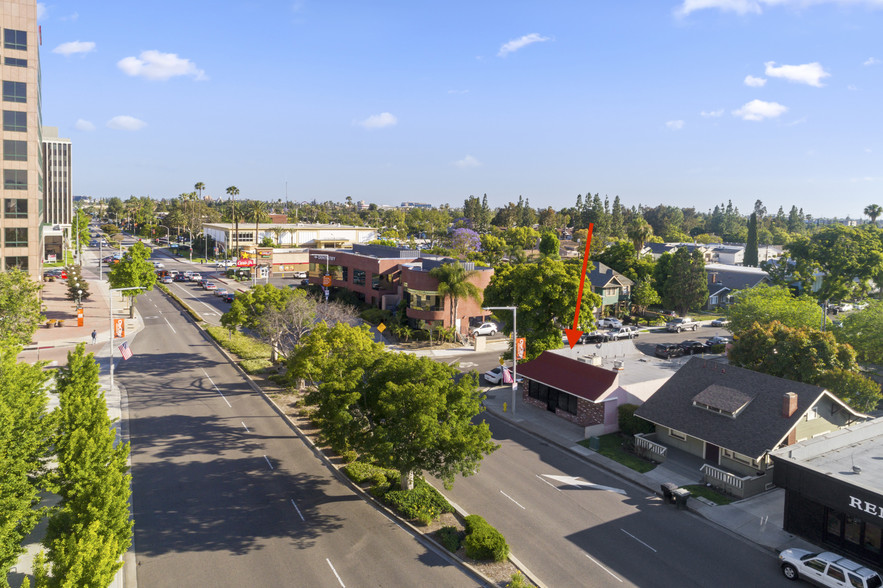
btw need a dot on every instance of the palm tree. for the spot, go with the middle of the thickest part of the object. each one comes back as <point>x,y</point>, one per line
<point>259,213</point>
<point>233,191</point>
<point>199,187</point>
<point>453,283</point>
<point>639,233</point>
<point>873,211</point>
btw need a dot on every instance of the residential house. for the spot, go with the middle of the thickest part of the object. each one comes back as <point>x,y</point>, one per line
<point>614,288</point>
<point>728,254</point>
<point>657,249</point>
<point>725,280</point>
<point>733,418</point>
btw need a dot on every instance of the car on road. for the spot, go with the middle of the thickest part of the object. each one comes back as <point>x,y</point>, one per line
<point>717,340</point>
<point>626,332</point>
<point>228,297</point>
<point>167,279</point>
<point>224,263</point>
<point>720,322</point>
<point>219,292</point>
<point>158,265</point>
<point>827,569</point>
<point>93,243</point>
<point>668,350</point>
<point>180,278</point>
<point>194,276</point>
<point>609,322</point>
<point>691,347</point>
<point>299,275</point>
<point>594,337</point>
<point>679,324</point>
<point>495,375</point>
<point>206,285</point>
<point>485,329</point>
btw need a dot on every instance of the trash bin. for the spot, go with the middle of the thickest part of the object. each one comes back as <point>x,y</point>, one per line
<point>668,492</point>
<point>594,443</point>
<point>681,495</point>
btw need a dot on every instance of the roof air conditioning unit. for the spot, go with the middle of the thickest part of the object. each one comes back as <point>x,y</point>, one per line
<point>618,365</point>
<point>591,359</point>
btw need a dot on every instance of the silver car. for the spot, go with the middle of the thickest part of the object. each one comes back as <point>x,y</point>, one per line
<point>827,569</point>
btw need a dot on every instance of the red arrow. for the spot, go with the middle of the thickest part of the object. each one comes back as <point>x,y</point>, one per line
<point>574,334</point>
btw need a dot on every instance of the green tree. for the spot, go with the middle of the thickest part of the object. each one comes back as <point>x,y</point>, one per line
<point>20,311</point>
<point>493,248</point>
<point>644,295</point>
<point>77,286</point>
<point>805,355</point>
<point>621,257</point>
<point>751,253</point>
<point>873,211</point>
<point>550,245</point>
<point>25,433</point>
<point>545,295</point>
<point>133,270</point>
<point>639,232</point>
<point>686,287</point>
<point>90,529</point>
<point>80,228</point>
<point>405,412</point>
<point>233,192</point>
<point>863,330</point>
<point>454,283</point>
<point>764,304</point>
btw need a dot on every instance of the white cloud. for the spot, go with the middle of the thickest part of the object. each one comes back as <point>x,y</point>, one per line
<point>73,16</point>
<point>871,61</point>
<point>154,65</point>
<point>41,11</point>
<point>84,125</point>
<point>126,123</point>
<point>516,44</point>
<point>458,91</point>
<point>755,82</point>
<point>675,125</point>
<point>757,6</point>
<point>808,73</point>
<point>72,47</point>
<point>712,113</point>
<point>852,88</point>
<point>467,162</point>
<point>759,110</point>
<point>379,121</point>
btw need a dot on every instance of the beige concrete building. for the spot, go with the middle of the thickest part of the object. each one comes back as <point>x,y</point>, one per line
<point>58,200</point>
<point>22,219</point>
<point>331,236</point>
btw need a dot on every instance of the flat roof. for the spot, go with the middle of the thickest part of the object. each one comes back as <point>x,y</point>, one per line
<point>834,454</point>
<point>637,367</point>
<point>245,225</point>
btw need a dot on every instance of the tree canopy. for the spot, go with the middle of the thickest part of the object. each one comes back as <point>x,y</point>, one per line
<point>764,304</point>
<point>863,330</point>
<point>20,311</point>
<point>133,269</point>
<point>685,287</point>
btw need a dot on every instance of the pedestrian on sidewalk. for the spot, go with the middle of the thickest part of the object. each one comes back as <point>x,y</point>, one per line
<point>94,336</point>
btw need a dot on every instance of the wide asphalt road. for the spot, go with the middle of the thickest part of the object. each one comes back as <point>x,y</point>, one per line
<point>226,494</point>
<point>573,524</point>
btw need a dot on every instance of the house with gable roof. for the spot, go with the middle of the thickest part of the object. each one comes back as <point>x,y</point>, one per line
<point>733,418</point>
<point>614,288</point>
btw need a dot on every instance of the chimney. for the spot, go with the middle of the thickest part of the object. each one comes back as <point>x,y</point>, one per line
<point>789,404</point>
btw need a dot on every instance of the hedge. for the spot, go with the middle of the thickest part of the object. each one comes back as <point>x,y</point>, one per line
<point>483,542</point>
<point>629,424</point>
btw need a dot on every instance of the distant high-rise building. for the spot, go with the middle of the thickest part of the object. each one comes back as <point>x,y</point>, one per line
<point>58,200</point>
<point>21,241</point>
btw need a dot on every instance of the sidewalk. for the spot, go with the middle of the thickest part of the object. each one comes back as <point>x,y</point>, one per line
<point>52,344</point>
<point>757,519</point>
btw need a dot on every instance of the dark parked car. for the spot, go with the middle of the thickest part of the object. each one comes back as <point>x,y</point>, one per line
<point>669,350</point>
<point>718,340</point>
<point>228,297</point>
<point>691,347</point>
<point>180,278</point>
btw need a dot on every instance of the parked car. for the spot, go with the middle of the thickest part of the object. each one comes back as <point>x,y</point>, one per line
<point>93,243</point>
<point>720,322</point>
<point>692,347</point>
<point>485,329</point>
<point>299,275</point>
<point>827,569</point>
<point>626,332</point>
<point>168,280</point>
<point>195,277</point>
<point>683,323</point>
<point>158,265</point>
<point>668,350</point>
<point>206,285</point>
<point>594,337</point>
<point>861,305</point>
<point>224,263</point>
<point>609,322</point>
<point>495,375</point>
<point>228,297</point>
<point>220,292</point>
<point>717,340</point>
<point>180,278</point>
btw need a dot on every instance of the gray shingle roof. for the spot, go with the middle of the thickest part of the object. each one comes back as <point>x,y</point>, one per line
<point>755,430</point>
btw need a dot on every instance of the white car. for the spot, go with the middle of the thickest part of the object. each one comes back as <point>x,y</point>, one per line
<point>485,329</point>
<point>224,263</point>
<point>194,277</point>
<point>827,569</point>
<point>495,375</point>
<point>609,322</point>
<point>158,265</point>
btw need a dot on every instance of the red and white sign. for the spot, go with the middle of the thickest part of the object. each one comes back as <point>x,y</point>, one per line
<point>326,280</point>
<point>119,328</point>
<point>244,262</point>
<point>520,345</point>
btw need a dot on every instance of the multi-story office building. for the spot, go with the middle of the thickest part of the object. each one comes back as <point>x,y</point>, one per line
<point>57,195</point>
<point>21,244</point>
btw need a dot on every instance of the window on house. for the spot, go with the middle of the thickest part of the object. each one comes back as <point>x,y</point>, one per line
<point>677,434</point>
<point>16,62</point>
<point>19,262</point>
<point>15,208</point>
<point>359,277</point>
<point>567,402</point>
<point>15,237</point>
<point>15,91</point>
<point>14,120</point>
<point>15,39</point>
<point>812,413</point>
<point>15,179</point>
<point>15,150</point>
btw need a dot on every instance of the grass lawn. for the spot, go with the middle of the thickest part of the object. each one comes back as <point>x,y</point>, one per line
<point>611,447</point>
<point>709,493</point>
<point>242,345</point>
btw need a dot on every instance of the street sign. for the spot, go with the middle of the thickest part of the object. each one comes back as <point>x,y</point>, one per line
<point>381,327</point>
<point>326,280</point>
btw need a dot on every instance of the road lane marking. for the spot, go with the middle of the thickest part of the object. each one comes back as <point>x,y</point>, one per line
<point>268,462</point>
<point>638,540</point>
<point>216,388</point>
<point>572,481</point>
<point>300,515</point>
<point>170,325</point>
<point>246,428</point>
<point>602,567</point>
<point>335,573</point>
<point>512,499</point>
<point>539,477</point>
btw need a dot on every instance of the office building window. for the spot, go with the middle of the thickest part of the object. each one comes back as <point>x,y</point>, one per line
<point>14,120</point>
<point>15,91</point>
<point>20,262</point>
<point>359,277</point>
<point>16,237</point>
<point>15,62</point>
<point>15,150</point>
<point>15,208</point>
<point>15,179</point>
<point>13,39</point>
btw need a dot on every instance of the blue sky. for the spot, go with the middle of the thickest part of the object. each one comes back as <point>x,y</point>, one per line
<point>680,102</point>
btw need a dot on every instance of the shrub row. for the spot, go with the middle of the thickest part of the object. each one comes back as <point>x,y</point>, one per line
<point>484,542</point>
<point>242,345</point>
<point>360,472</point>
<point>424,503</point>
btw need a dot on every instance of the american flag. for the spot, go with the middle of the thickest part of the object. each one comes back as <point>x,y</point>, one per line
<point>125,351</point>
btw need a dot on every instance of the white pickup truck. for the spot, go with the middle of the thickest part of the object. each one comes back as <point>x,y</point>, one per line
<point>683,323</point>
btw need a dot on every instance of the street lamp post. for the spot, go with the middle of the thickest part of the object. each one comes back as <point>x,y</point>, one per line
<point>112,290</point>
<point>514,310</point>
